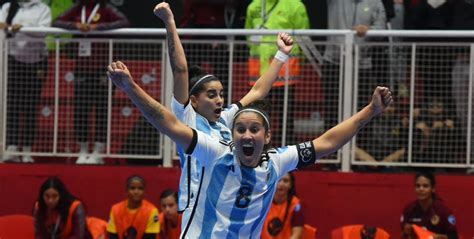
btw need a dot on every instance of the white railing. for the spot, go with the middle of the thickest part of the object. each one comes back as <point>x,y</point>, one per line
<point>304,105</point>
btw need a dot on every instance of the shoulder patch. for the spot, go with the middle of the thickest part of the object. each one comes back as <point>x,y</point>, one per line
<point>452,220</point>
<point>297,207</point>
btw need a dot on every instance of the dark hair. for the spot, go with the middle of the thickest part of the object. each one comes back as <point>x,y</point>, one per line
<point>169,192</point>
<point>64,203</point>
<point>137,178</point>
<point>196,73</point>
<point>101,2</point>
<point>429,175</point>
<point>260,105</point>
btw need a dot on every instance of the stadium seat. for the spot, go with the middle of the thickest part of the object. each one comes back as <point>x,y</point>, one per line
<point>354,232</point>
<point>309,232</point>
<point>17,227</point>
<point>97,227</point>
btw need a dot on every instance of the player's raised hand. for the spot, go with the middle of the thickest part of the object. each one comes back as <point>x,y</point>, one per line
<point>381,99</point>
<point>285,42</point>
<point>120,75</point>
<point>163,11</point>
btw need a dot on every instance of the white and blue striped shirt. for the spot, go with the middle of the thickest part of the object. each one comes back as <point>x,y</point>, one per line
<point>235,199</point>
<point>191,170</point>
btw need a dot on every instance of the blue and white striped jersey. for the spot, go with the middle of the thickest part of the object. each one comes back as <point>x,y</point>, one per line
<point>234,200</point>
<point>190,168</point>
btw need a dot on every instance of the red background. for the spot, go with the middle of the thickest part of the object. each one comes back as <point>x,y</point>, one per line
<point>330,199</point>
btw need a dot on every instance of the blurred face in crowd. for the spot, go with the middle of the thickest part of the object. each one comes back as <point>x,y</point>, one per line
<point>209,101</point>
<point>51,198</point>
<point>169,207</point>
<point>250,136</point>
<point>424,188</point>
<point>136,191</point>
<point>284,186</point>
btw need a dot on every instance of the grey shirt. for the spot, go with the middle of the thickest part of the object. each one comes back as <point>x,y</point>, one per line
<point>345,14</point>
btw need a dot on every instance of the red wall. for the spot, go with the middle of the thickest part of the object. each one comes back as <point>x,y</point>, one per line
<point>330,199</point>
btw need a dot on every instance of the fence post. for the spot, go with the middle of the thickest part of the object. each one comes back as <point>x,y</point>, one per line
<point>167,82</point>
<point>346,96</point>
<point>2,89</point>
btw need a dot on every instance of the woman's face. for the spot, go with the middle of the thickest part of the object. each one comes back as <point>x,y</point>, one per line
<point>169,207</point>
<point>284,185</point>
<point>249,137</point>
<point>209,101</point>
<point>51,198</point>
<point>424,189</point>
<point>136,191</point>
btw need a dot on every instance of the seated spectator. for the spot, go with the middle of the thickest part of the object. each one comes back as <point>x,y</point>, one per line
<point>428,211</point>
<point>285,218</point>
<point>134,217</point>
<point>440,133</point>
<point>170,219</point>
<point>386,139</point>
<point>58,213</point>
<point>27,66</point>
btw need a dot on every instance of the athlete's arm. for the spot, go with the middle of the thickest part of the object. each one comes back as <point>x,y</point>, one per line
<point>340,134</point>
<point>158,115</point>
<point>264,83</point>
<point>179,65</point>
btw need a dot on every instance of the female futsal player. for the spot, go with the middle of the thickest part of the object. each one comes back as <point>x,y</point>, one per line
<point>241,177</point>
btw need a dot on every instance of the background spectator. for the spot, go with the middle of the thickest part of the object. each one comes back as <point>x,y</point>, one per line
<point>275,14</point>
<point>285,218</point>
<point>428,211</point>
<point>170,219</point>
<point>90,82</point>
<point>27,66</point>
<point>134,217</point>
<point>360,15</point>
<point>58,213</point>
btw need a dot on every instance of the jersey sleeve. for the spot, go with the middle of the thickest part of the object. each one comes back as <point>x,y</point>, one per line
<point>153,225</point>
<point>111,224</point>
<point>205,148</point>
<point>295,157</point>
<point>179,109</point>
<point>228,114</point>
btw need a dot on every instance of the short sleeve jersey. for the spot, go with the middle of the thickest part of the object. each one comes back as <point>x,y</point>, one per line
<point>235,199</point>
<point>191,170</point>
<point>438,219</point>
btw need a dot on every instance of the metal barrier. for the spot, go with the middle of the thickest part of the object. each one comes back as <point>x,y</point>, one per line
<point>73,102</point>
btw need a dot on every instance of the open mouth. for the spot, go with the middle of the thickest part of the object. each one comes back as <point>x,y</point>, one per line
<point>218,111</point>
<point>248,149</point>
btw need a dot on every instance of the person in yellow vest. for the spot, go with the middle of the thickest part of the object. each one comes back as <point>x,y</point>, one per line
<point>58,213</point>
<point>170,219</point>
<point>285,218</point>
<point>276,14</point>
<point>135,217</point>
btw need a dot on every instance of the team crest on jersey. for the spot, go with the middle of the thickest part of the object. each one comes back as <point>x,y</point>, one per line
<point>435,219</point>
